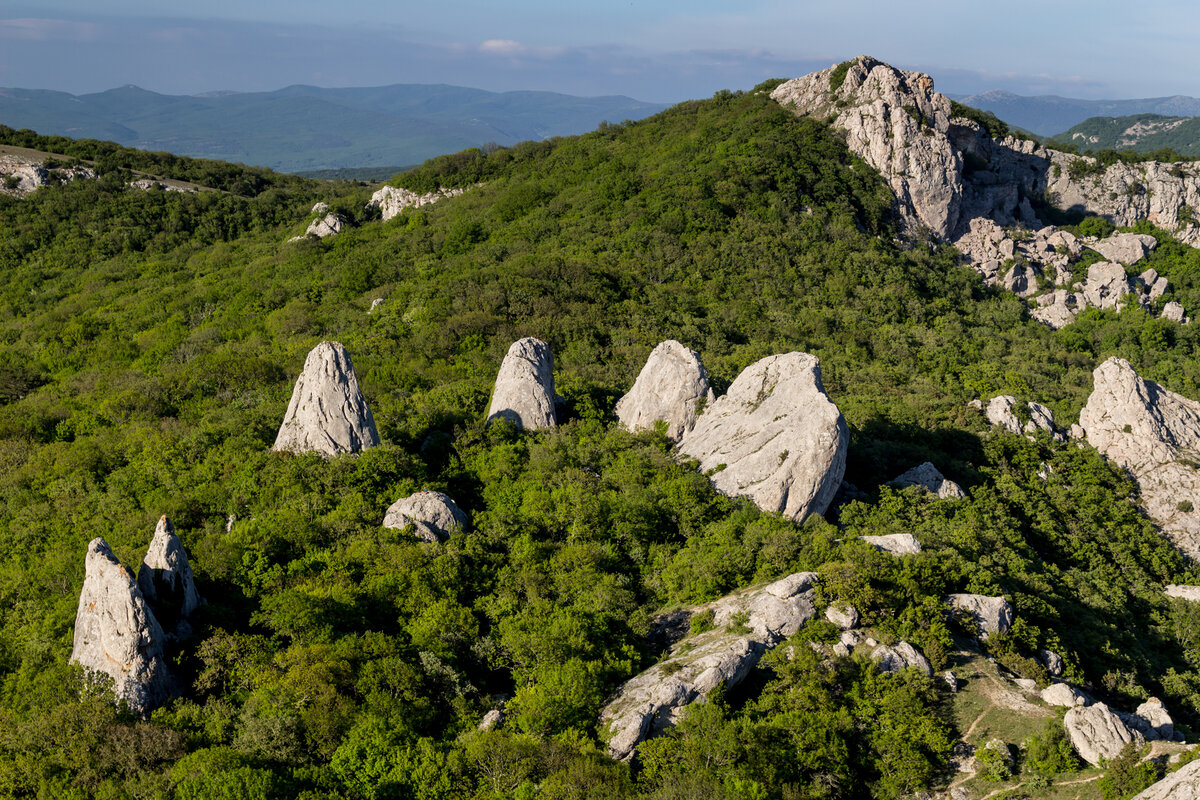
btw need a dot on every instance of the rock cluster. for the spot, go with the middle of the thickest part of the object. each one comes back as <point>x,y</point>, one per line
<point>671,388</point>
<point>433,515</point>
<point>165,579</point>
<point>927,476</point>
<point>775,437</point>
<point>524,392</point>
<point>744,626</point>
<point>1155,434</point>
<point>27,175</point>
<point>1002,412</point>
<point>391,200</point>
<point>992,614</point>
<point>327,413</point>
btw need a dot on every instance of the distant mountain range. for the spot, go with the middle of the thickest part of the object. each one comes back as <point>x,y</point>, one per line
<point>305,128</point>
<point>1049,115</point>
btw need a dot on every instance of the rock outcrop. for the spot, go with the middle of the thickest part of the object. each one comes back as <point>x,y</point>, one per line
<point>1097,733</point>
<point>927,476</point>
<point>1189,593</point>
<point>745,625</point>
<point>166,582</point>
<point>1152,721</point>
<point>524,392</point>
<point>117,635</point>
<point>391,200</point>
<point>672,388</point>
<point>901,656</point>
<point>1002,412</point>
<point>1155,434</point>
<point>844,615</point>
<point>327,413</point>
<point>1183,784</point>
<point>20,175</point>
<point>775,437</point>
<point>898,544</point>
<point>433,515</point>
<point>992,614</point>
<point>1126,248</point>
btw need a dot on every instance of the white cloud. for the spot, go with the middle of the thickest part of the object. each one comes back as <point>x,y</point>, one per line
<point>45,30</point>
<point>514,49</point>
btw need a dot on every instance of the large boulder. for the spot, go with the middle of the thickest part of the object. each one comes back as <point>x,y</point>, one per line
<point>992,614</point>
<point>524,392</point>
<point>898,544</point>
<point>901,656</point>
<point>1155,434</point>
<point>1097,733</point>
<point>165,579</point>
<point>1063,694</point>
<point>117,635</point>
<point>672,387</point>
<point>775,437</point>
<point>928,477</point>
<point>1002,412</point>
<point>1125,248</point>
<point>1183,784</point>
<point>327,413</point>
<point>744,626</point>
<point>433,515</point>
<point>1153,720</point>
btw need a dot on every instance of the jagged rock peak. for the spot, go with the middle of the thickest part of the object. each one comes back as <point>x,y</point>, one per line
<point>116,633</point>
<point>1155,434</point>
<point>165,577</point>
<point>433,515</point>
<point>524,390</point>
<point>327,413</point>
<point>927,476</point>
<point>775,437</point>
<point>672,387</point>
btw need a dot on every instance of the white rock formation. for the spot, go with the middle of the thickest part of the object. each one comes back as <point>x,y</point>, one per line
<point>1097,733</point>
<point>898,544</point>
<point>652,701</point>
<point>1173,311</point>
<point>391,200</point>
<point>1153,721</point>
<point>927,475</point>
<point>524,392</point>
<point>775,437</point>
<point>992,614</point>
<point>1052,661</point>
<point>166,581</point>
<point>1190,593</point>
<point>902,656</point>
<point>1063,694</point>
<point>116,633</point>
<point>1125,248</point>
<point>327,225</point>
<point>327,413</point>
<point>1183,784</point>
<point>433,515</point>
<point>844,615</point>
<point>1001,411</point>
<point>1155,434</point>
<point>672,387</point>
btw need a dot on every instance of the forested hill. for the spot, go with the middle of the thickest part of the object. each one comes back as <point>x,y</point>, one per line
<point>1143,133</point>
<point>148,345</point>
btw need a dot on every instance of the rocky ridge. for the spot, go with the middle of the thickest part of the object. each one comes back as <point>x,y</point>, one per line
<point>327,413</point>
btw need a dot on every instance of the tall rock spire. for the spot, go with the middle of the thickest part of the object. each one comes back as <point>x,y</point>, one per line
<point>327,414</point>
<point>165,579</point>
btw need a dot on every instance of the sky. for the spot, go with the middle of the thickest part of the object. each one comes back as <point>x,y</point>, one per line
<point>655,50</point>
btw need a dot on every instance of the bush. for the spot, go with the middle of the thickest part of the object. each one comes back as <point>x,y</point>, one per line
<point>994,761</point>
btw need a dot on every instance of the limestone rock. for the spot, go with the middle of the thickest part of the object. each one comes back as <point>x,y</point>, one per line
<point>524,390</point>
<point>1155,434</point>
<point>376,303</point>
<point>928,476</point>
<point>775,437</point>
<point>652,701</point>
<point>898,544</point>
<point>1060,310</point>
<point>1027,684</point>
<point>320,209</point>
<point>116,633</point>
<point>1126,248</point>
<point>391,200</point>
<point>327,413</point>
<point>433,515</point>
<point>902,656</point>
<point>844,615</point>
<point>165,579</point>
<point>993,614</point>
<point>1052,661</point>
<point>1183,784</point>
<point>1155,722</point>
<point>1001,411</point>
<point>327,225</point>
<point>493,719</point>
<point>1190,593</point>
<point>1174,312</point>
<point>1097,733</point>
<point>672,387</point>
<point>951,680</point>
<point>1106,285</point>
<point>1062,694</point>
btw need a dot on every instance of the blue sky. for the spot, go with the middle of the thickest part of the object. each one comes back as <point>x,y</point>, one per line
<point>660,51</point>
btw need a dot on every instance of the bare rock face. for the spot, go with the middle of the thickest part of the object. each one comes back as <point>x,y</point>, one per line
<point>1155,434</point>
<point>672,387</point>
<point>1062,694</point>
<point>1097,733</point>
<point>327,414</point>
<point>775,437</point>
<point>524,390</point>
<point>165,579</point>
<point>116,633</point>
<point>1106,285</point>
<point>1183,784</point>
<point>993,614</point>
<point>1174,312</point>
<point>902,656</point>
<point>1190,593</point>
<point>653,701</point>
<point>391,200</point>
<point>1126,248</point>
<point>433,515</point>
<point>898,544</point>
<point>928,476</point>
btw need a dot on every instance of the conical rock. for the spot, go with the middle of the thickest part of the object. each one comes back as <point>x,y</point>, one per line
<point>327,414</point>
<point>775,437</point>
<point>165,578</point>
<point>524,390</point>
<point>672,387</point>
<point>433,515</point>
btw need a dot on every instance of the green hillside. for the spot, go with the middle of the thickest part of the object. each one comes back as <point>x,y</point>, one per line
<point>1143,133</point>
<point>148,346</point>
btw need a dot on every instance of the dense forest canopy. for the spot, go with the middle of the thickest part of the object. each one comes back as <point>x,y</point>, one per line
<point>148,344</point>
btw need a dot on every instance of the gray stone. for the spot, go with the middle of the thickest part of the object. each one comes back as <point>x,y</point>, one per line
<point>844,615</point>
<point>1026,684</point>
<point>992,614</point>
<point>1190,593</point>
<point>1173,311</point>
<point>1062,694</point>
<point>775,437</point>
<point>1001,411</point>
<point>927,475</point>
<point>1157,722</point>
<point>951,680</point>
<point>1126,248</point>
<point>327,413</point>
<point>116,633</point>
<point>1097,733</point>
<point>898,544</point>
<point>391,200</point>
<point>376,303</point>
<point>1106,285</point>
<point>433,515</point>
<point>902,656</point>
<point>1052,661</point>
<point>672,387</point>
<point>166,581</point>
<point>524,392</point>
<point>320,209</point>
<point>1183,784</point>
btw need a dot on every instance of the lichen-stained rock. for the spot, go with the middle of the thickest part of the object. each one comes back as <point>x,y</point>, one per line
<point>775,437</point>
<point>433,515</point>
<point>992,614</point>
<point>524,392</point>
<point>327,413</point>
<point>928,476</point>
<point>672,387</point>
<point>166,581</point>
<point>1155,434</point>
<point>1183,784</point>
<point>1097,733</point>
<point>902,656</point>
<point>1062,694</point>
<point>745,625</point>
<point>117,634</point>
<point>898,544</point>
